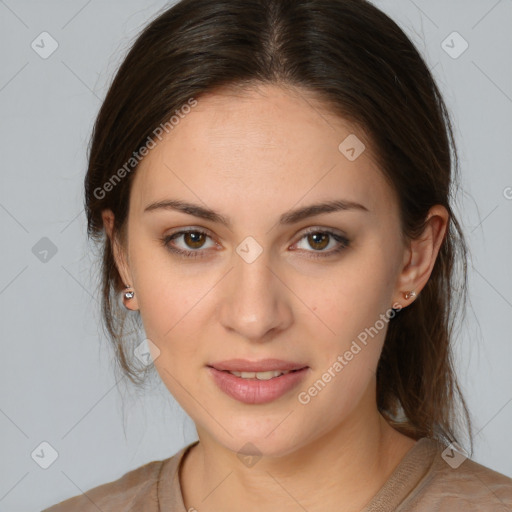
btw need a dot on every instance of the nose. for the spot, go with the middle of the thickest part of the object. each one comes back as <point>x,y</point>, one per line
<point>255,302</point>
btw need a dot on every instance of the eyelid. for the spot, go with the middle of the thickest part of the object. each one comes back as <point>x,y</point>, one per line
<point>190,229</point>
<point>320,229</point>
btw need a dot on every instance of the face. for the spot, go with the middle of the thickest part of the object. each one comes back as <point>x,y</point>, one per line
<point>258,281</point>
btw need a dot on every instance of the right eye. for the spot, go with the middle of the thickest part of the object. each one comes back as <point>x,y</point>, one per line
<point>191,238</point>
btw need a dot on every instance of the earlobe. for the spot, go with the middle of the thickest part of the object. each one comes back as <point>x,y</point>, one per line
<point>421,255</point>
<point>128,294</point>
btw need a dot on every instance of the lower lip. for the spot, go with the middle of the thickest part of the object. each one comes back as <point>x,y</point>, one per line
<point>253,391</point>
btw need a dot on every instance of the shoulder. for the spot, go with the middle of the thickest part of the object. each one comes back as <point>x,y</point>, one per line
<point>135,490</point>
<point>451,483</point>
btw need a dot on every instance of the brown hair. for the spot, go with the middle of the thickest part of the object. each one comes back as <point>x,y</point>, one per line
<point>364,68</point>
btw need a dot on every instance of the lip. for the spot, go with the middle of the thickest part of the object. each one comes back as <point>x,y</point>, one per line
<point>263,365</point>
<point>254,391</point>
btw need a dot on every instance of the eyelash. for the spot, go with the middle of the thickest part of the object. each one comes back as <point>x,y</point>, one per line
<point>343,241</point>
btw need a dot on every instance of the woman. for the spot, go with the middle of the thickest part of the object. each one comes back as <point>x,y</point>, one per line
<point>271,181</point>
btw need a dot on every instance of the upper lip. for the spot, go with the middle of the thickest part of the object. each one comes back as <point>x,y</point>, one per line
<point>263,365</point>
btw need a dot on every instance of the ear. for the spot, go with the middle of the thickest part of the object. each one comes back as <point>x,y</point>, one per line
<point>420,255</point>
<point>119,257</point>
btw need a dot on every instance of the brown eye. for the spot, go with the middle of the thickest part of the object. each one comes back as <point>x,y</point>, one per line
<point>194,239</point>
<point>189,243</point>
<point>318,241</point>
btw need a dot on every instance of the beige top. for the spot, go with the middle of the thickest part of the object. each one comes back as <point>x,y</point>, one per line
<point>422,481</point>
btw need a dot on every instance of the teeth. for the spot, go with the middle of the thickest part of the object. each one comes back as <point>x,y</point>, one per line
<point>260,375</point>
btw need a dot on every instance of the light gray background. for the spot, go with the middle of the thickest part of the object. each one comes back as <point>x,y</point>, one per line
<point>57,383</point>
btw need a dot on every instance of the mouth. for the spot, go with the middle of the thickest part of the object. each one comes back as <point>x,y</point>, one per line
<point>257,382</point>
<point>261,366</point>
<point>261,375</point>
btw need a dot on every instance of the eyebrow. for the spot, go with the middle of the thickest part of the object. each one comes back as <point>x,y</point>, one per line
<point>287,218</point>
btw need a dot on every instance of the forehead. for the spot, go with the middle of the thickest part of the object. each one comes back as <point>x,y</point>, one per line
<point>264,146</point>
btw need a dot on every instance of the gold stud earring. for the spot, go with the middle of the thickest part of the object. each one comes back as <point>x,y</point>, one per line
<point>409,295</point>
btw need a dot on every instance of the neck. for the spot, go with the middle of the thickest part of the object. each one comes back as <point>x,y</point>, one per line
<point>347,465</point>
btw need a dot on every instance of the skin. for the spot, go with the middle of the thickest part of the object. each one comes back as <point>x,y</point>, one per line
<point>251,156</point>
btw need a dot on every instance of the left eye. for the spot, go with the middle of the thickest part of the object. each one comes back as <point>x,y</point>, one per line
<point>321,240</point>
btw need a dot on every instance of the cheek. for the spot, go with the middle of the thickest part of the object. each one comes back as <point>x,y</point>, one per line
<point>351,313</point>
<point>344,363</point>
<point>167,299</point>
<point>353,295</point>
<point>354,337</point>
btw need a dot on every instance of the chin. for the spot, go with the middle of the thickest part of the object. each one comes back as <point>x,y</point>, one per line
<point>256,440</point>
